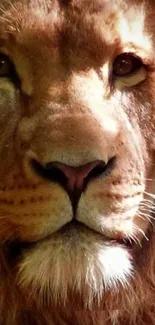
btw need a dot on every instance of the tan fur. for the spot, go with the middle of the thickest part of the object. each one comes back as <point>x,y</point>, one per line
<point>68,108</point>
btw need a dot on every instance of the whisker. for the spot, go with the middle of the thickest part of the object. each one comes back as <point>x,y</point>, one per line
<point>150,194</point>
<point>136,240</point>
<point>145,217</point>
<point>148,201</point>
<point>138,229</point>
<point>150,179</point>
<point>146,208</point>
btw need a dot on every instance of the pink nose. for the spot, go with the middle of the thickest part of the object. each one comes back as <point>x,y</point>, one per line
<point>76,177</point>
<point>73,179</point>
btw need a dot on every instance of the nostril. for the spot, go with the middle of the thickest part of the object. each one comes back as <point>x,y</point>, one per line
<point>101,169</point>
<point>73,177</point>
<point>50,173</point>
<point>77,177</point>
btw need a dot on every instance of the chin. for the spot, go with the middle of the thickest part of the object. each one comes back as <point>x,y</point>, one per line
<point>75,261</point>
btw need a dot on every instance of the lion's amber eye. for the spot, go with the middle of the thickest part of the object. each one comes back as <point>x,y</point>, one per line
<point>6,67</point>
<point>126,64</point>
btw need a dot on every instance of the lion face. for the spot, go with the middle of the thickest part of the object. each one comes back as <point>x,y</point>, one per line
<point>77,143</point>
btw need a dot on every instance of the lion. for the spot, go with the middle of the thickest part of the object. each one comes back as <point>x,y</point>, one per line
<point>77,150</point>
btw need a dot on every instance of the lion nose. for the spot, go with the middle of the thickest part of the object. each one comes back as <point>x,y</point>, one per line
<point>73,179</point>
<point>76,177</point>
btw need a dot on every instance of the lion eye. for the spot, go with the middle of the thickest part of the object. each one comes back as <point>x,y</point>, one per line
<point>6,67</point>
<point>126,64</point>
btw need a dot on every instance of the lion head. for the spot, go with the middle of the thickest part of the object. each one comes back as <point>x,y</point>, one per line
<point>77,148</point>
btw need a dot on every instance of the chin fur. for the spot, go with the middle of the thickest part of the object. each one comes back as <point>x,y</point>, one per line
<point>86,266</point>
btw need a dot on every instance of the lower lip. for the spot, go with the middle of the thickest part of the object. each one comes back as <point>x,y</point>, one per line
<point>69,230</point>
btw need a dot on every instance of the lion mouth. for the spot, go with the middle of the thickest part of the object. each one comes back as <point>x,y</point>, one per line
<point>18,247</point>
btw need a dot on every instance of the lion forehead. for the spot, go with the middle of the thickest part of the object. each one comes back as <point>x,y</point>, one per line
<point>98,23</point>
